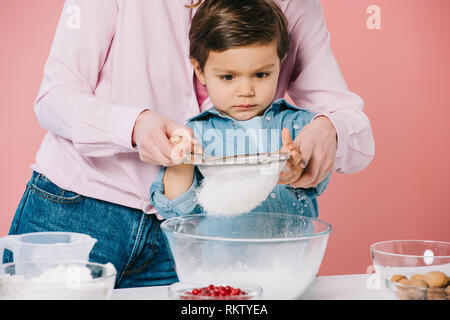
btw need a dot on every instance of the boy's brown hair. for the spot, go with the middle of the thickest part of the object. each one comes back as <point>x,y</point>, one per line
<point>219,25</point>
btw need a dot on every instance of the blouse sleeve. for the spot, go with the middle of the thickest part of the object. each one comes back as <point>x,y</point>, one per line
<point>318,85</point>
<point>66,104</point>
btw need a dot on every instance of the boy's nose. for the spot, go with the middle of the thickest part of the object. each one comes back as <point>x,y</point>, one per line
<point>246,89</point>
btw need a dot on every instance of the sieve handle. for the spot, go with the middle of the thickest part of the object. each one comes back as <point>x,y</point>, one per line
<point>5,243</point>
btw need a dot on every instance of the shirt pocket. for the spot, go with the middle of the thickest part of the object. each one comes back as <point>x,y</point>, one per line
<point>44,188</point>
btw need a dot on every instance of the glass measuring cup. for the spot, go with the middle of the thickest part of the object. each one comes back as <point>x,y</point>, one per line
<point>48,246</point>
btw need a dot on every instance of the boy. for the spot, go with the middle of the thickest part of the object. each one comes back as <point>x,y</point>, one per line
<point>237,51</point>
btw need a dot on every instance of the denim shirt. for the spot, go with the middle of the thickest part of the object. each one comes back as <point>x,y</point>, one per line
<point>218,134</point>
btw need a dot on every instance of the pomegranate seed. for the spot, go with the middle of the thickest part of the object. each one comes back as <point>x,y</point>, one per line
<point>219,291</point>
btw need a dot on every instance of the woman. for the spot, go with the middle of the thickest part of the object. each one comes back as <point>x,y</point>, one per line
<point>118,82</point>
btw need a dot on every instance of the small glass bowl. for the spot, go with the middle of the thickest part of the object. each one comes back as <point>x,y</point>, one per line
<point>408,258</point>
<point>181,291</point>
<point>57,280</point>
<point>409,292</point>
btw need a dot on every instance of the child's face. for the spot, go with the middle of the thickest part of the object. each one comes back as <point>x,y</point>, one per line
<point>242,81</point>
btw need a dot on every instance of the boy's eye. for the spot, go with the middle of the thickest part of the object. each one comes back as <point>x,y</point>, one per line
<point>227,77</point>
<point>260,75</point>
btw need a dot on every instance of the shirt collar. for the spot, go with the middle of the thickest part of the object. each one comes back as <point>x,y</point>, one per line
<point>277,105</point>
<point>209,112</point>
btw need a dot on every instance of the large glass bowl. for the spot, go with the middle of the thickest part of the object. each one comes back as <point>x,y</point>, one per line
<point>409,259</point>
<point>57,280</point>
<point>280,252</point>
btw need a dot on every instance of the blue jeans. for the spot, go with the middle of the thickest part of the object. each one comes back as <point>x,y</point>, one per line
<point>128,238</point>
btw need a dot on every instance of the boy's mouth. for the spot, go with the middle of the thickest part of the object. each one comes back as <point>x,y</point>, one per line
<point>245,106</point>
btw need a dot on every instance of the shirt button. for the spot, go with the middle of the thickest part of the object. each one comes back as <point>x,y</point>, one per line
<point>233,124</point>
<point>296,126</point>
<point>267,118</point>
<point>273,195</point>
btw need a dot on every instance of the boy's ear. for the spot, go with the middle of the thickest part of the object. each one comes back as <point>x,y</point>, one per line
<point>198,71</point>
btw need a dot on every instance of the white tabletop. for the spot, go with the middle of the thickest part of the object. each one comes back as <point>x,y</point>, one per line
<point>342,287</point>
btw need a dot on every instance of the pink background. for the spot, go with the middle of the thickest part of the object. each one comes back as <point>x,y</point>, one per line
<point>401,71</point>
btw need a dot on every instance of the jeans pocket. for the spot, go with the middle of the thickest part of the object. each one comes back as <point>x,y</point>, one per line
<point>44,188</point>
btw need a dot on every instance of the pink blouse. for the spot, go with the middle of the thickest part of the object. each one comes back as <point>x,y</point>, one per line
<point>112,59</point>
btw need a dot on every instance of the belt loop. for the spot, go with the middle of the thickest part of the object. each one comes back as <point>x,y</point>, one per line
<point>35,176</point>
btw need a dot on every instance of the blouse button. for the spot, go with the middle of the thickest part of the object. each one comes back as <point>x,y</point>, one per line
<point>268,118</point>
<point>273,195</point>
<point>296,126</point>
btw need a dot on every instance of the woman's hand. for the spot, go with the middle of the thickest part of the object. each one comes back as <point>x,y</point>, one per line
<point>317,143</point>
<point>151,135</point>
<point>293,169</point>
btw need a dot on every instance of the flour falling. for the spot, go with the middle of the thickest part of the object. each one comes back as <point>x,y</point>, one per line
<point>236,189</point>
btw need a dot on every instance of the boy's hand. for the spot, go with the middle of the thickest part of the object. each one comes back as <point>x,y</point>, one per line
<point>293,169</point>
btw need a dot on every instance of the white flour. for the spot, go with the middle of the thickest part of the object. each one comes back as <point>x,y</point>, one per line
<point>220,195</point>
<point>61,282</point>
